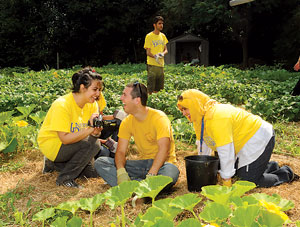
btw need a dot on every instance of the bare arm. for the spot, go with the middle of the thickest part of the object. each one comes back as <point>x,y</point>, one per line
<point>162,154</point>
<point>69,138</point>
<point>120,159</point>
<point>165,50</point>
<point>148,52</point>
<point>108,117</point>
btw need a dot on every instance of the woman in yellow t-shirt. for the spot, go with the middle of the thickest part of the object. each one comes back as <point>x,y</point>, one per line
<point>67,137</point>
<point>244,141</point>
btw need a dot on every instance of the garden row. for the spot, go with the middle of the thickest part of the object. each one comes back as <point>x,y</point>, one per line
<point>225,205</point>
<point>27,95</point>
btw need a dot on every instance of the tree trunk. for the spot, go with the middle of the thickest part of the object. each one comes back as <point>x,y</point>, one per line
<point>245,51</point>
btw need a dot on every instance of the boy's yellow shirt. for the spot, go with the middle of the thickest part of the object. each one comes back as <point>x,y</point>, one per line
<point>157,45</point>
<point>146,133</point>
<point>64,115</point>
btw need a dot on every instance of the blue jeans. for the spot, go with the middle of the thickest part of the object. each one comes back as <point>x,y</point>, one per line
<point>264,173</point>
<point>136,169</point>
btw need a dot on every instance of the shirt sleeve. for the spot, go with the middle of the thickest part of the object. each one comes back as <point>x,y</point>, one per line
<point>147,42</point>
<point>60,119</point>
<point>163,127</point>
<point>227,160</point>
<point>124,130</point>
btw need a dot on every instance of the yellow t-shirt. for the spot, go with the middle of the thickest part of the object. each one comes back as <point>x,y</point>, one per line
<point>101,102</point>
<point>230,124</point>
<point>64,115</point>
<point>146,133</point>
<point>157,44</point>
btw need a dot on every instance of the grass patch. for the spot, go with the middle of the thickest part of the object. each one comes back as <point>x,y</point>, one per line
<point>287,138</point>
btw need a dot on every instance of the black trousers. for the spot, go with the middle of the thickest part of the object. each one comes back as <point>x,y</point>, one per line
<point>296,90</point>
<point>264,173</point>
<point>74,160</point>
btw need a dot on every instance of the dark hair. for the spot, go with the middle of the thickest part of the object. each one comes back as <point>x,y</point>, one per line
<point>157,18</point>
<point>139,90</point>
<point>85,77</point>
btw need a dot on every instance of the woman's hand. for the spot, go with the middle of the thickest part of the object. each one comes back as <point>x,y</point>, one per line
<point>97,130</point>
<point>94,115</point>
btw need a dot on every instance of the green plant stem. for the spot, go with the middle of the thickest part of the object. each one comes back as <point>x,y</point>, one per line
<point>123,216</point>
<point>195,216</point>
<point>91,218</point>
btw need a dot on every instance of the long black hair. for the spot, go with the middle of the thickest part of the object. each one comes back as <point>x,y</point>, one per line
<point>85,77</point>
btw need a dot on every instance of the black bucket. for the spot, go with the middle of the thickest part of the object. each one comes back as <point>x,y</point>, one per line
<point>201,170</point>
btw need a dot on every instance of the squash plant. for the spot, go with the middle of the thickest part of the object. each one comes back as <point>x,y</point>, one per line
<point>226,206</point>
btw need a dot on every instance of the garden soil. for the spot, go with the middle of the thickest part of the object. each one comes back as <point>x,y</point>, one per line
<point>41,188</point>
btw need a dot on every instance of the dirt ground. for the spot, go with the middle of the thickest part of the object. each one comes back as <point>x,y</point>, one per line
<point>46,192</point>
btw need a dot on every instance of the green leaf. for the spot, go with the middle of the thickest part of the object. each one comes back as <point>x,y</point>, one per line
<point>191,222</point>
<point>60,222</point>
<point>164,205</point>
<point>118,195</point>
<point>270,219</point>
<point>71,206</point>
<point>284,204</point>
<point>245,216</point>
<point>38,117</point>
<point>217,193</point>
<point>11,147</point>
<point>223,194</point>
<point>26,110</point>
<point>91,204</point>
<point>163,222</point>
<point>44,214</point>
<point>151,215</point>
<point>6,116</point>
<point>186,202</point>
<point>241,187</point>
<point>74,222</point>
<point>151,186</point>
<point>214,212</point>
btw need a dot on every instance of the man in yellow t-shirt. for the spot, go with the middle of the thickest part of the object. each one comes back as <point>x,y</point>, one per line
<point>156,49</point>
<point>153,137</point>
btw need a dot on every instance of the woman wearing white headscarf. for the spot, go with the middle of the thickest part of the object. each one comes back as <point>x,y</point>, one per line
<point>242,140</point>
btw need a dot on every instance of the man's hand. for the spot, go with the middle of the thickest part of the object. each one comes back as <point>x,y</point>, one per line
<point>111,144</point>
<point>119,114</point>
<point>156,56</point>
<point>122,175</point>
<point>297,66</point>
<point>161,55</point>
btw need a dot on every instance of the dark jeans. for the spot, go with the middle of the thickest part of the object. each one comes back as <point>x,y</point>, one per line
<point>296,90</point>
<point>264,173</point>
<point>74,160</point>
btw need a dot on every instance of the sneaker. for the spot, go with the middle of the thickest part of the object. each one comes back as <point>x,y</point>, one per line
<point>69,184</point>
<point>295,177</point>
<point>48,166</point>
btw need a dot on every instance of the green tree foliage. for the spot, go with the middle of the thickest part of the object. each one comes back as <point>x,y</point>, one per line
<point>82,32</point>
<point>98,32</point>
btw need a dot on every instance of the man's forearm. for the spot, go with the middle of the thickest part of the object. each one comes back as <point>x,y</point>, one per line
<point>158,162</point>
<point>120,160</point>
<point>161,156</point>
